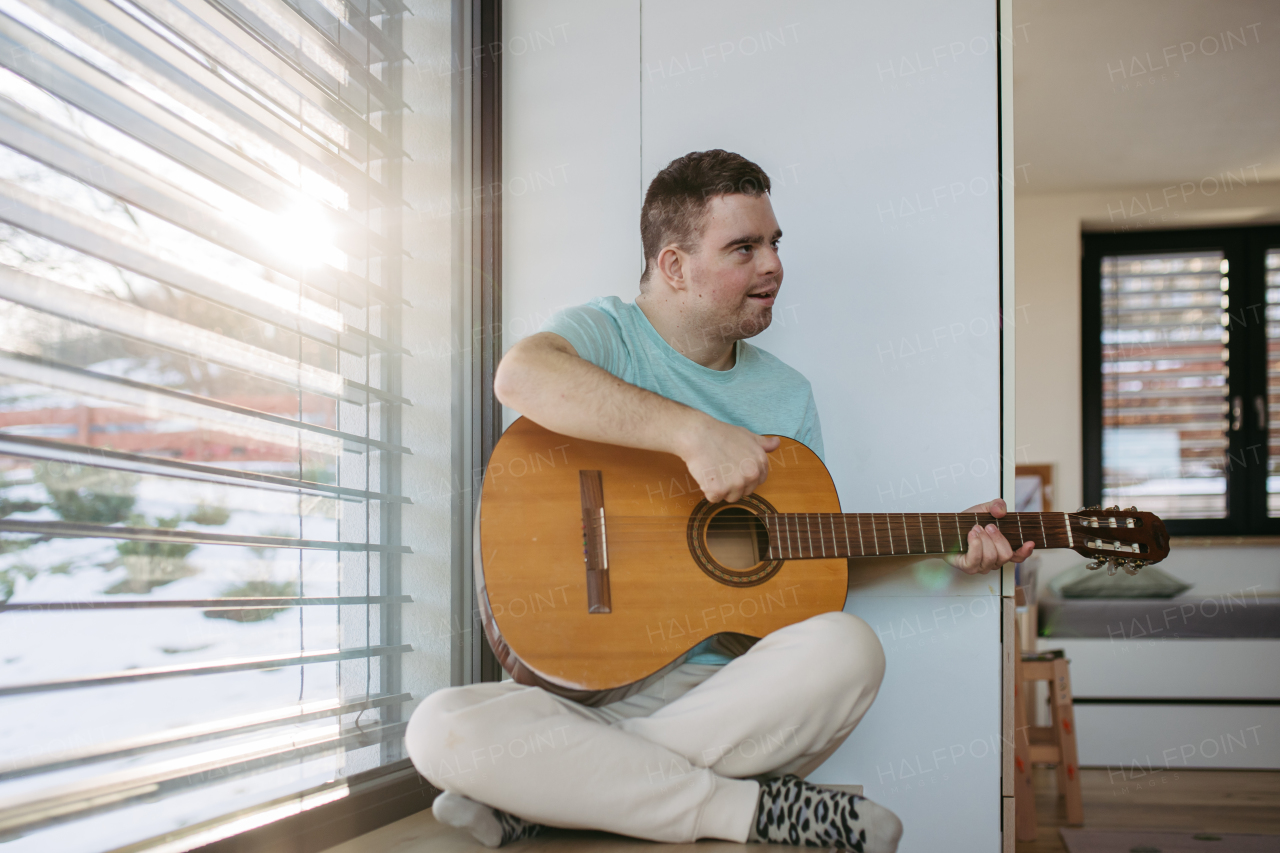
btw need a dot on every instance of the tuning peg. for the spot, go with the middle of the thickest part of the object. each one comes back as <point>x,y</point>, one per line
<point>1111,569</point>
<point>1115,508</point>
<point>1095,565</point>
<point>1132,509</point>
<point>1132,568</point>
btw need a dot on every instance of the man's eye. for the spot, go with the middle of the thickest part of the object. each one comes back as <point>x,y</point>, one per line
<point>745,249</point>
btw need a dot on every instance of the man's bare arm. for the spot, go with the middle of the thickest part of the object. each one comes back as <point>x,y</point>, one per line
<point>543,378</point>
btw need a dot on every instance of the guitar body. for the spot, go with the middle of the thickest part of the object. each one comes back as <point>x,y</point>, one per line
<point>664,590</point>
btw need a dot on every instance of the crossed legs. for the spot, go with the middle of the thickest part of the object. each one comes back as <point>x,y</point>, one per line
<point>672,763</point>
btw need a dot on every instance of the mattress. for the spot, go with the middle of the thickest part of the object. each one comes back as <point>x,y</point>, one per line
<point>1241,615</point>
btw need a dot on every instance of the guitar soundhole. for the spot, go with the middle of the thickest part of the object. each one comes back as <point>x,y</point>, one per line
<point>736,538</point>
<point>731,543</point>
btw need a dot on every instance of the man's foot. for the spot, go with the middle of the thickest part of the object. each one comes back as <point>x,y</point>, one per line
<point>791,811</point>
<point>491,827</point>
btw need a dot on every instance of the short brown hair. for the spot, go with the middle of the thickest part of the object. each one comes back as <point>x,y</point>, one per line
<point>675,205</point>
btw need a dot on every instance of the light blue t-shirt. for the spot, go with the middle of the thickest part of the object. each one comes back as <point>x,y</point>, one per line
<point>759,392</point>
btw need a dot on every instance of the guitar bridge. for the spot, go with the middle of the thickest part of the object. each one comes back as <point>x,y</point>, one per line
<point>595,542</point>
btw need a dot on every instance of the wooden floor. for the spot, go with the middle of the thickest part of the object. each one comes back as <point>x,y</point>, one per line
<point>1195,800</point>
<point>420,832</point>
<point>1198,800</point>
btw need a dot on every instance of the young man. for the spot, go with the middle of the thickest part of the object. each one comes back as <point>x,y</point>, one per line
<point>718,747</point>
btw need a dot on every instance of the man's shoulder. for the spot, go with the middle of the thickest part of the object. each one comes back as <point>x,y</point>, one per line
<point>766,362</point>
<point>601,310</point>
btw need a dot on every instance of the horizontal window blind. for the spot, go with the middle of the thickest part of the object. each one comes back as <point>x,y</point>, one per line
<point>199,410</point>
<point>1165,368</point>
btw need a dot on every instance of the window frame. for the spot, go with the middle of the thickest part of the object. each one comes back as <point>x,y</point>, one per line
<point>1244,248</point>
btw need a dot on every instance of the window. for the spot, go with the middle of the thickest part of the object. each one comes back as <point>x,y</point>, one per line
<point>1181,355</point>
<point>202,414</point>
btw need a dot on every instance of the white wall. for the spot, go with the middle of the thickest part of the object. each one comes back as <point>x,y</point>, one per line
<point>878,126</point>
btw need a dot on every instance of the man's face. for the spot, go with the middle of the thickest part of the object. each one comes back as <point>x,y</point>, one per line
<point>735,274</point>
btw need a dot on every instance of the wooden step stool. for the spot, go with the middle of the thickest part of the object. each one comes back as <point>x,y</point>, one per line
<point>1055,744</point>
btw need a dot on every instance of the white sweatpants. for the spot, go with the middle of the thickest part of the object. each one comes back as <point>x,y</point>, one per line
<point>672,763</point>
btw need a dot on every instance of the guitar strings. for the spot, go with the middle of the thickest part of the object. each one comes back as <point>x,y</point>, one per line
<point>865,519</point>
<point>1050,526</point>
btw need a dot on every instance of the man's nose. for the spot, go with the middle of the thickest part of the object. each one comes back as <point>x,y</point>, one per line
<point>770,261</point>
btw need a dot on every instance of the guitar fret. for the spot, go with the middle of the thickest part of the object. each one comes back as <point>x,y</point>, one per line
<point>786,543</point>
<point>792,534</point>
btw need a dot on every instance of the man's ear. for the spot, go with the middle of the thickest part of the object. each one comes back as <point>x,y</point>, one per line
<point>673,268</point>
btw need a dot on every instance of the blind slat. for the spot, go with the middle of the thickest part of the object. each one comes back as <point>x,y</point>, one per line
<point>212,668</point>
<point>205,603</point>
<point>79,530</point>
<point>196,734</point>
<point>147,784</point>
<point>240,420</point>
<point>67,452</point>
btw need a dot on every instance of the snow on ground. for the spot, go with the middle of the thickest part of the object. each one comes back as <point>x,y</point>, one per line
<point>50,645</point>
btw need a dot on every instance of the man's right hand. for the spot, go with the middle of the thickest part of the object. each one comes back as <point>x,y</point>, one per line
<point>728,462</point>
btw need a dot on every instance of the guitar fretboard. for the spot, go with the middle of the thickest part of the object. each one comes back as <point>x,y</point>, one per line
<point>813,535</point>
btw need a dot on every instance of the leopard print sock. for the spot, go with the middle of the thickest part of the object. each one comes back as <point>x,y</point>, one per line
<point>516,828</point>
<point>791,811</point>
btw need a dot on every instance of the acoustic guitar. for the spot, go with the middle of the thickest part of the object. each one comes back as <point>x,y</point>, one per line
<point>598,568</point>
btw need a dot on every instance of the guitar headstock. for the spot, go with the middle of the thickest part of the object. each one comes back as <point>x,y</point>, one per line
<point>1119,538</point>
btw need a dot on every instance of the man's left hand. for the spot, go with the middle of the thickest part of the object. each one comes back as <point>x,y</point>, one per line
<point>988,549</point>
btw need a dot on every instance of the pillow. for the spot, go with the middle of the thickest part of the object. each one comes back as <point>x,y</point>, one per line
<point>1149,582</point>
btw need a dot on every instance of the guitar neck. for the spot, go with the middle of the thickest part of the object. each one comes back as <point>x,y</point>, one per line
<point>814,535</point>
